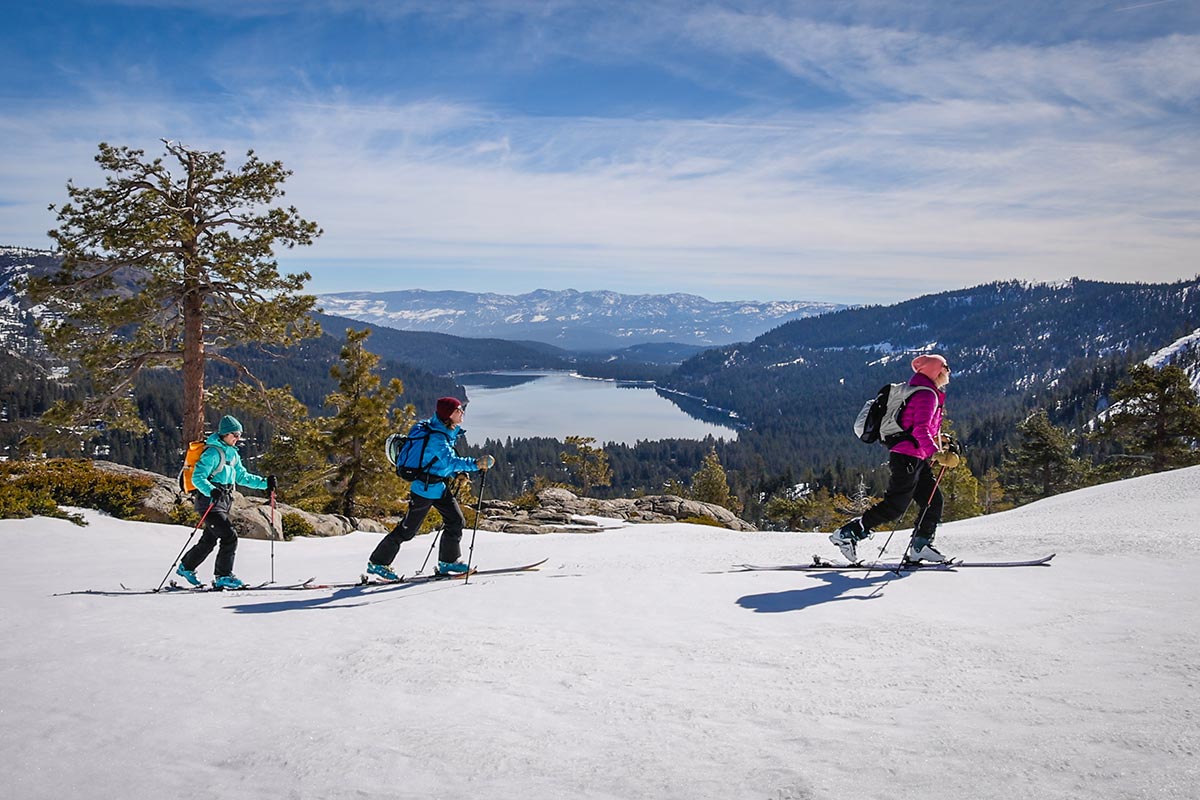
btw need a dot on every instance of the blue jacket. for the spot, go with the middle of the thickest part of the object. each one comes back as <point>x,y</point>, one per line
<point>232,474</point>
<point>445,462</point>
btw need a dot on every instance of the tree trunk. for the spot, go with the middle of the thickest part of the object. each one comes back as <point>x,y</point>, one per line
<point>193,367</point>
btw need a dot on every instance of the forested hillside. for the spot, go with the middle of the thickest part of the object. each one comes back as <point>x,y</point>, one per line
<point>1011,346</point>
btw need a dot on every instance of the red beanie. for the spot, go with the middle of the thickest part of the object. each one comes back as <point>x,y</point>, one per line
<point>929,365</point>
<point>446,407</point>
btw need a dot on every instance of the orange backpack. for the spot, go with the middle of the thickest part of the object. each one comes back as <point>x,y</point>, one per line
<point>194,451</point>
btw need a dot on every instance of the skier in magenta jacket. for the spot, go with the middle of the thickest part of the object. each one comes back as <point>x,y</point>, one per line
<point>912,474</point>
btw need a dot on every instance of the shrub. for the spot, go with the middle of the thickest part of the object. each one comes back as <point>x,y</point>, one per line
<point>184,514</point>
<point>703,521</point>
<point>293,525</point>
<point>39,487</point>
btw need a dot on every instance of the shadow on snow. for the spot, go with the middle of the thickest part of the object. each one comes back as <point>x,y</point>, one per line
<point>833,587</point>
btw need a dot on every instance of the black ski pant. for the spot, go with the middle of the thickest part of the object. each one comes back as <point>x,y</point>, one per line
<point>453,521</point>
<point>911,479</point>
<point>217,528</point>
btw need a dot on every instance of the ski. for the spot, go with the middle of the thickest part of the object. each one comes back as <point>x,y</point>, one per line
<point>818,564</point>
<point>174,587</point>
<point>364,581</point>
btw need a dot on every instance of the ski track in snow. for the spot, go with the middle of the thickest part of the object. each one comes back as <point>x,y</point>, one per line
<point>634,664</point>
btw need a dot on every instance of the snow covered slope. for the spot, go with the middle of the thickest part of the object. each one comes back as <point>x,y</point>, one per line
<point>635,664</point>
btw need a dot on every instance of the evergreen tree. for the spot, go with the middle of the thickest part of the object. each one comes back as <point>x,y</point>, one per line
<point>169,269</point>
<point>960,494</point>
<point>1155,416</point>
<point>1042,464</point>
<point>364,417</point>
<point>588,463</point>
<point>710,484</point>
<point>991,493</point>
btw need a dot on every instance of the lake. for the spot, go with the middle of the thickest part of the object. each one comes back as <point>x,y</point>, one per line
<point>561,404</point>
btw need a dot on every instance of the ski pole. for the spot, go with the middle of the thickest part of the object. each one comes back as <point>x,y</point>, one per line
<point>431,546</point>
<point>185,545</point>
<point>272,536</point>
<point>478,510</point>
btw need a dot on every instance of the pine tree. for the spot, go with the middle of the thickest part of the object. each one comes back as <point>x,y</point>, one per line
<point>169,269</point>
<point>1155,416</point>
<point>1042,464</point>
<point>355,442</point>
<point>991,493</point>
<point>960,494</point>
<point>588,463</point>
<point>711,485</point>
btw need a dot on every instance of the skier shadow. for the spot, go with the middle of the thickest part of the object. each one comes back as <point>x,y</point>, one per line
<point>322,602</point>
<point>834,587</point>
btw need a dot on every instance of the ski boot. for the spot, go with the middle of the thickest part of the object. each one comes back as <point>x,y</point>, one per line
<point>451,568</point>
<point>188,575</point>
<point>922,549</point>
<point>229,582</point>
<point>847,538</point>
<point>382,570</point>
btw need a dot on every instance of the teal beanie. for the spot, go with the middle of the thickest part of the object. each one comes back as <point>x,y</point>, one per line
<point>229,425</point>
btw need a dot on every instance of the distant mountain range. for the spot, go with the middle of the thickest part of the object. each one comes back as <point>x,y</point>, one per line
<point>1014,346</point>
<point>572,320</point>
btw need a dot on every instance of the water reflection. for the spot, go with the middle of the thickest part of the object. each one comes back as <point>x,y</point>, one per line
<point>560,404</point>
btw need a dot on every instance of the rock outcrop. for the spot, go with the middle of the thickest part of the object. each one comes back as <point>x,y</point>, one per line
<point>558,511</point>
<point>251,514</point>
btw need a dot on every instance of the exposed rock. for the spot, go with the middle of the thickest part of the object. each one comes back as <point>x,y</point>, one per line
<point>250,515</point>
<point>558,511</point>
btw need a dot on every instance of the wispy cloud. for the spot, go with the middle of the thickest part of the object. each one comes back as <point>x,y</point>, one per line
<point>862,162</point>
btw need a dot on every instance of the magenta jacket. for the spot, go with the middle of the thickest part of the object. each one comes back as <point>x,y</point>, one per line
<point>923,415</point>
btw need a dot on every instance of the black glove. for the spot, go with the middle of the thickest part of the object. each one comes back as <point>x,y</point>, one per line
<point>272,484</point>
<point>218,495</point>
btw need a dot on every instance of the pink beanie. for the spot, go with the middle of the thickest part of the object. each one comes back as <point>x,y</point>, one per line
<point>929,365</point>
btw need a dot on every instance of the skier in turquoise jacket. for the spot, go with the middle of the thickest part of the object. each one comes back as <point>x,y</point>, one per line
<point>217,473</point>
<point>432,491</point>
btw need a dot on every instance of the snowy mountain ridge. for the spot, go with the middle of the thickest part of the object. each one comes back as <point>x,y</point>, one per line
<point>572,319</point>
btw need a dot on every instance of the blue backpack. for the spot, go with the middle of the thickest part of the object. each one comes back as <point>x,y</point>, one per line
<point>407,453</point>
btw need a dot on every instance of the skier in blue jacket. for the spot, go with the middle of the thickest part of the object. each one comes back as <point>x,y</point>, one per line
<point>218,471</point>
<point>431,491</point>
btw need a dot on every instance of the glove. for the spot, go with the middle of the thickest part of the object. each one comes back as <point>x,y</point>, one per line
<point>272,484</point>
<point>947,458</point>
<point>484,463</point>
<point>218,495</point>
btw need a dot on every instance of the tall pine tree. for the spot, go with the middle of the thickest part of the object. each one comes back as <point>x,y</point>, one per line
<point>170,265</point>
<point>363,480</point>
<point>1042,463</point>
<point>1155,417</point>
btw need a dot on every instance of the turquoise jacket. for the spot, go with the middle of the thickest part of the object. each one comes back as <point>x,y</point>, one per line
<point>232,474</point>
<point>442,460</point>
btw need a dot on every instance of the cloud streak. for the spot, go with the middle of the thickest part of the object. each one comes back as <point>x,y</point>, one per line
<point>863,163</point>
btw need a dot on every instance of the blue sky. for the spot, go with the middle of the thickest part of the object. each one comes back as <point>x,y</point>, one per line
<point>856,151</point>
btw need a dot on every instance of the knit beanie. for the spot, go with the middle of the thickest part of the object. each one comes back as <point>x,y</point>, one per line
<point>229,424</point>
<point>446,406</point>
<point>929,365</point>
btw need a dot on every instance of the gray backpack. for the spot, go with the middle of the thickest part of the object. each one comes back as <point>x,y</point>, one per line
<point>879,419</point>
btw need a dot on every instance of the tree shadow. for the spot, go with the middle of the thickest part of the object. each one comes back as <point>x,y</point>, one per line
<point>833,587</point>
